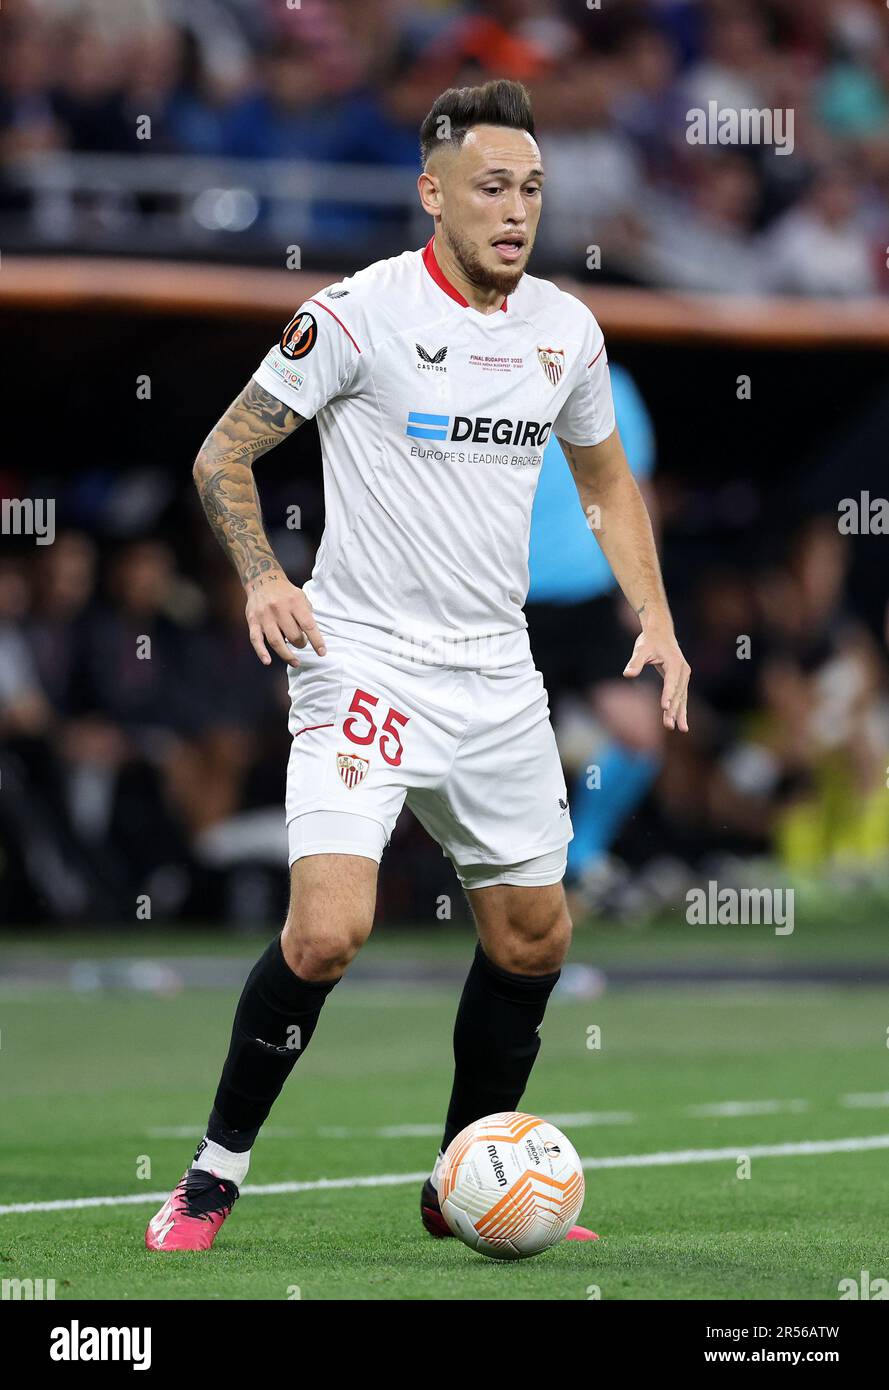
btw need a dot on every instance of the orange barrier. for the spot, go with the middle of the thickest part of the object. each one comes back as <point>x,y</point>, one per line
<point>174,287</point>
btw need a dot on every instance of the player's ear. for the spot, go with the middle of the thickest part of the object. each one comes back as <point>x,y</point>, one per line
<point>429,188</point>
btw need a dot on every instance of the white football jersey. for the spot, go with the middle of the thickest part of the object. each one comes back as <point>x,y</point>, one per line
<point>433,419</point>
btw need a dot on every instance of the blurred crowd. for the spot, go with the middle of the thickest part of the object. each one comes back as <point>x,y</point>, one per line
<point>132,719</point>
<point>791,718</point>
<point>347,82</point>
<point>143,746</point>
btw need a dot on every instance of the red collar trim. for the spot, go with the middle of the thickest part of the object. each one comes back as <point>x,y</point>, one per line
<point>438,275</point>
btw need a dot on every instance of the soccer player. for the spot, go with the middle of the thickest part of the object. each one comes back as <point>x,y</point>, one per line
<point>436,378</point>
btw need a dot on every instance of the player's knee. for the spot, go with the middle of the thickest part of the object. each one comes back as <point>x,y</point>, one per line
<point>322,954</point>
<point>536,944</point>
<point>553,945</point>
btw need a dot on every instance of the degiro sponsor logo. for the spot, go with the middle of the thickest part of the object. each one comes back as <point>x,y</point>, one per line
<point>480,430</point>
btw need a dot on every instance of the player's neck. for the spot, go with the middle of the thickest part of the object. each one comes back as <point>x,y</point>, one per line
<point>485,301</point>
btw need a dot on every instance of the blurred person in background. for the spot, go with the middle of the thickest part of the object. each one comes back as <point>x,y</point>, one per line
<point>594,175</point>
<point>292,112</point>
<point>359,43</point>
<point>24,707</point>
<point>296,112</point>
<point>582,630</point>
<point>56,625</point>
<point>29,122</point>
<point>41,869</point>
<point>702,241</point>
<point>136,711</point>
<point>822,247</point>
<point>739,66</point>
<point>225,766</point>
<point>90,91</point>
<point>793,726</point>
<point>650,107</point>
<point>824,721</point>
<point>172,83</point>
<point>368,50</point>
<point>713,800</point>
<point>519,39</point>
<point>851,93</point>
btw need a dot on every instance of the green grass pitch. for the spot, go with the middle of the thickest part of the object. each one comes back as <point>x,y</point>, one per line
<point>98,1085</point>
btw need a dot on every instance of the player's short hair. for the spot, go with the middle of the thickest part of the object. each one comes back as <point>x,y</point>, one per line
<point>458,109</point>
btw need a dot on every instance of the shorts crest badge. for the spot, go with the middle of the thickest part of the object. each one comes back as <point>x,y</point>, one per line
<point>351,768</point>
<point>552,360</point>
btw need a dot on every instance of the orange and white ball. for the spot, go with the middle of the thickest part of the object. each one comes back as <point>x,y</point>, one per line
<point>510,1185</point>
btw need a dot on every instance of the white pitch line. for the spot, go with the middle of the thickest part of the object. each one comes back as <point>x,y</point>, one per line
<point>582,1119</point>
<point>578,1120</point>
<point>417,1131</point>
<point>268,1189</point>
<point>198,1132</point>
<point>804,1148</point>
<point>748,1107</point>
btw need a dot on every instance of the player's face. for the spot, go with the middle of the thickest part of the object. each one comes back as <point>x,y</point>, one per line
<point>490,205</point>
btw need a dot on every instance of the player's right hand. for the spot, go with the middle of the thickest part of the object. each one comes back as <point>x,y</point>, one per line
<point>277,613</point>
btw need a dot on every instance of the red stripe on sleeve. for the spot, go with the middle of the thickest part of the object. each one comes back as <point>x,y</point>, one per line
<point>595,359</point>
<point>339,321</point>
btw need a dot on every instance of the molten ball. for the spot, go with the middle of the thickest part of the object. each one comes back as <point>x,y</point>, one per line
<point>510,1185</point>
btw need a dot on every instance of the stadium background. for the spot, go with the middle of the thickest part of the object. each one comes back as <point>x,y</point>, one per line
<point>118,369</point>
<point>141,281</point>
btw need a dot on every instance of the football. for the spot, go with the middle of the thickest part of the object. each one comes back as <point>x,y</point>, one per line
<point>510,1185</point>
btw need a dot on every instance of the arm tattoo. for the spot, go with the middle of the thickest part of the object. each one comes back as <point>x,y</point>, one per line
<point>223,473</point>
<point>568,451</point>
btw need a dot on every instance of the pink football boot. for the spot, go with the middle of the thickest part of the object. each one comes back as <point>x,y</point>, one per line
<point>193,1213</point>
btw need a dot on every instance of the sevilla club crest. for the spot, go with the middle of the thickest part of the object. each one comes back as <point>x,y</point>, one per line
<point>351,768</point>
<point>552,360</point>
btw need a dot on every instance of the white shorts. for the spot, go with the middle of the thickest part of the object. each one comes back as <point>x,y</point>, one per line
<point>472,752</point>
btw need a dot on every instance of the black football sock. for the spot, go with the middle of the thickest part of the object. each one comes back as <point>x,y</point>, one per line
<point>495,1041</point>
<point>274,1023</point>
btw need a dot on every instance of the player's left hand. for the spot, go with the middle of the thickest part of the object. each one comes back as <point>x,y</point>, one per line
<point>657,647</point>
